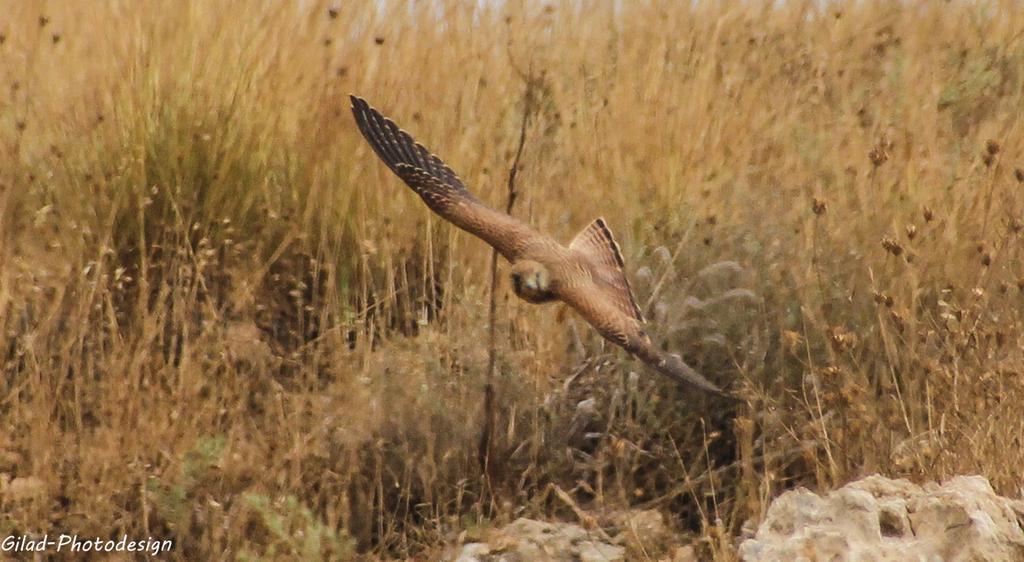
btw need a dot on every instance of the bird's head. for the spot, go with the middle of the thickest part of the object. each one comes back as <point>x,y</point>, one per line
<point>530,280</point>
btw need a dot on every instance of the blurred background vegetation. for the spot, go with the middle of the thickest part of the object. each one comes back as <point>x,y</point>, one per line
<point>223,321</point>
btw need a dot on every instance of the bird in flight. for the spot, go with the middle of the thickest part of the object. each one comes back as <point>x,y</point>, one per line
<point>588,274</point>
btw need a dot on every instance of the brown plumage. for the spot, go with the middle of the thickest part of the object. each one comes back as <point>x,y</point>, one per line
<point>588,275</point>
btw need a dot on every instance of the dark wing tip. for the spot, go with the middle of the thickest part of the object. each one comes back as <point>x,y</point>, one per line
<point>358,103</point>
<point>396,146</point>
<point>366,116</point>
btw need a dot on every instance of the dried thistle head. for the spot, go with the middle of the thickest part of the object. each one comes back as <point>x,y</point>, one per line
<point>882,298</point>
<point>881,152</point>
<point>818,206</point>
<point>1019,175</point>
<point>892,246</point>
<point>929,215</point>
<point>911,231</point>
<point>878,156</point>
<point>841,339</point>
<point>992,147</point>
<point>898,321</point>
<point>791,341</point>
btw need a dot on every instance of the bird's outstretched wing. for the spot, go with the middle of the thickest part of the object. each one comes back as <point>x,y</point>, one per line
<point>626,332</point>
<point>606,301</point>
<point>438,185</point>
<point>607,268</point>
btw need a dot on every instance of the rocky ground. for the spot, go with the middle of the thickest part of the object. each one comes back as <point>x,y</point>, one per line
<point>875,518</point>
<point>626,535</point>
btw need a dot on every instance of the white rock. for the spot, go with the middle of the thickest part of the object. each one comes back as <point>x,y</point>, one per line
<point>881,519</point>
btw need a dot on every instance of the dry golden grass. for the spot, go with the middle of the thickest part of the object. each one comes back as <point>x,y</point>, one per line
<point>223,321</point>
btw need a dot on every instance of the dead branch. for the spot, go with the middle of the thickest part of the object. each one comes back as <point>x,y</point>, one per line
<point>485,451</point>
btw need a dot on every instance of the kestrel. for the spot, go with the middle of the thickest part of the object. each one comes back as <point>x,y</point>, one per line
<point>588,274</point>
